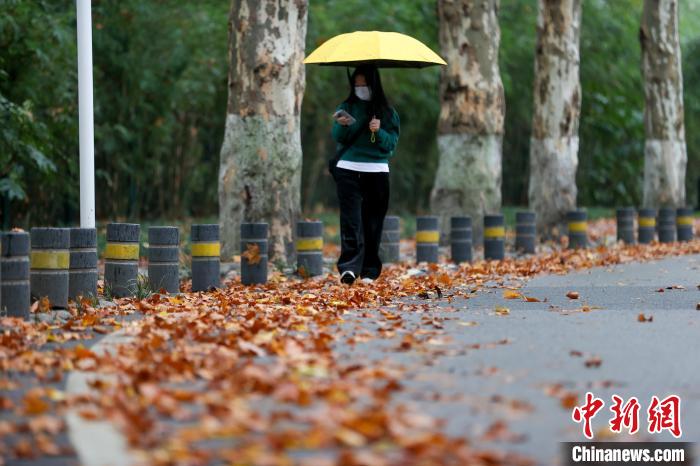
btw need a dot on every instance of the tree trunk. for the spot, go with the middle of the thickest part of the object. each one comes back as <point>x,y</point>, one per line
<point>557,106</point>
<point>260,167</point>
<point>665,155</point>
<point>470,129</point>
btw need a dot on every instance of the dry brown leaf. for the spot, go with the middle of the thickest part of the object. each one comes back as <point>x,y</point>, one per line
<point>510,294</point>
<point>572,295</point>
<point>252,253</point>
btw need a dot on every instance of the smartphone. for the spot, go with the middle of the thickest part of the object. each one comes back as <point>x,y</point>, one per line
<point>343,113</point>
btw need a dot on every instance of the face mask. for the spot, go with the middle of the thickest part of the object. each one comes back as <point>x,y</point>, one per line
<point>363,92</point>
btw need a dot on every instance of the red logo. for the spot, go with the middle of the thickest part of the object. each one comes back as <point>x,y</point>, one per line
<point>662,414</point>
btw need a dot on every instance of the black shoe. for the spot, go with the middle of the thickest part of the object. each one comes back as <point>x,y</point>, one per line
<point>347,277</point>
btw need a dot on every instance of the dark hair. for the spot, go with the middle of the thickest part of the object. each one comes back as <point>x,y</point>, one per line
<point>378,103</point>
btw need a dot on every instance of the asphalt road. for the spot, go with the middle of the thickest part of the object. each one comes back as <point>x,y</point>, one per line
<point>529,357</point>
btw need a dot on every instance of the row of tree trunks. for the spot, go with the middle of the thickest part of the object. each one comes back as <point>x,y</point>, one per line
<point>470,129</point>
<point>260,165</point>
<point>260,170</point>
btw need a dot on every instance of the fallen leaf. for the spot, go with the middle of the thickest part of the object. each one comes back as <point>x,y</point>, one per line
<point>510,294</point>
<point>572,295</point>
<point>568,400</point>
<point>252,253</point>
<point>642,318</point>
<point>502,311</point>
<point>531,299</point>
<point>594,361</point>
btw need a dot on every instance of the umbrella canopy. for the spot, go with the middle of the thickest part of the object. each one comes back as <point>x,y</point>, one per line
<point>382,49</point>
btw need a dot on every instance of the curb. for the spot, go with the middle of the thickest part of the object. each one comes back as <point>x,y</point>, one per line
<point>97,443</point>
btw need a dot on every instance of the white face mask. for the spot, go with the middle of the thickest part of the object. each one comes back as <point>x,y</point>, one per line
<point>363,92</point>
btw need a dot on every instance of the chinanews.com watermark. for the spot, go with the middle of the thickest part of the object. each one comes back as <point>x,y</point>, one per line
<point>659,415</point>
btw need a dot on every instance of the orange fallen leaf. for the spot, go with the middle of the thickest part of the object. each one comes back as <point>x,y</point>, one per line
<point>252,253</point>
<point>531,299</point>
<point>34,405</point>
<point>568,400</point>
<point>510,294</point>
<point>572,295</point>
<point>642,318</point>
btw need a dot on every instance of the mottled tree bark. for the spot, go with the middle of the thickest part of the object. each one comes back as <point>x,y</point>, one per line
<point>665,155</point>
<point>557,106</point>
<point>470,129</point>
<point>260,166</point>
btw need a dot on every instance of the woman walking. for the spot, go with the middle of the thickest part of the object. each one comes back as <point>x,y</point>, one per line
<point>366,129</point>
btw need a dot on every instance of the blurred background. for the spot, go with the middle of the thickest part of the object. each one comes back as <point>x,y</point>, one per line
<point>160,105</point>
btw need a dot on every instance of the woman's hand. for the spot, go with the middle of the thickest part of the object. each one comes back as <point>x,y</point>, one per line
<point>374,125</point>
<point>343,120</point>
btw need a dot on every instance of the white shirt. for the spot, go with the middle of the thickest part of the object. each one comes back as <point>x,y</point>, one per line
<point>367,167</point>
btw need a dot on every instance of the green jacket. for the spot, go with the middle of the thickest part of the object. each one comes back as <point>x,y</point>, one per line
<point>363,149</point>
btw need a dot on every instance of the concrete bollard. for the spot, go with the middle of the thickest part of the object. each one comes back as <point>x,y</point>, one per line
<point>309,248</point>
<point>49,261</point>
<point>646,230</point>
<point>625,224</point>
<point>577,222</point>
<point>684,223</point>
<point>525,231</point>
<point>666,225</point>
<point>122,259</point>
<point>389,251</point>
<point>82,273</point>
<point>254,263</point>
<point>427,239</point>
<point>14,274</point>
<point>461,239</point>
<point>206,257</point>
<point>164,258</point>
<point>494,237</point>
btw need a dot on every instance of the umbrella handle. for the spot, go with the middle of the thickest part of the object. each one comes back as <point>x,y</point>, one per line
<point>372,138</point>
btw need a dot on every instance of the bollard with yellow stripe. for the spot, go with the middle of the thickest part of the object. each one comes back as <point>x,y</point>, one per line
<point>666,225</point>
<point>427,239</point>
<point>577,223</point>
<point>309,246</point>
<point>49,261</point>
<point>494,237</point>
<point>684,223</point>
<point>122,259</point>
<point>646,225</point>
<point>206,257</point>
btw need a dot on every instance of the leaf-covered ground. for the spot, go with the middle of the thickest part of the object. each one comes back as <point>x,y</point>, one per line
<point>264,375</point>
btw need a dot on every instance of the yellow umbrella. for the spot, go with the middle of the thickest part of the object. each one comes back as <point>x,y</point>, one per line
<point>382,49</point>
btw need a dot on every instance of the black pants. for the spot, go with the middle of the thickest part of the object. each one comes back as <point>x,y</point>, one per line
<point>364,200</point>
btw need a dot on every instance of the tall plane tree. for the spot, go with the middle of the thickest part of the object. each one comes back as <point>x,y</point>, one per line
<point>260,165</point>
<point>557,105</point>
<point>470,129</point>
<point>665,155</point>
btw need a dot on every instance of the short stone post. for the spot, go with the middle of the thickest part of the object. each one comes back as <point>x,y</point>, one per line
<point>427,239</point>
<point>164,258</point>
<point>82,274</point>
<point>206,257</point>
<point>461,239</point>
<point>14,274</point>
<point>49,260</point>
<point>254,253</point>
<point>122,259</point>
